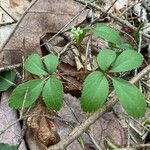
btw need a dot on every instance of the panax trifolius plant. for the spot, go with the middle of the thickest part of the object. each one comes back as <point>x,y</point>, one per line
<point>119,57</point>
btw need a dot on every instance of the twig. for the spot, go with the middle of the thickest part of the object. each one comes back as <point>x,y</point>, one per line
<point>65,49</point>
<point>16,26</point>
<point>22,134</point>
<point>87,132</point>
<point>81,142</point>
<point>128,142</point>
<point>142,146</point>
<point>10,67</point>
<point>94,142</point>
<point>88,122</point>
<point>131,37</point>
<point>110,144</point>
<point>124,22</point>
<point>87,51</point>
<point>9,126</point>
<point>129,8</point>
<point>15,20</point>
<point>65,26</point>
<point>147,129</point>
<point>110,8</point>
<point>147,86</point>
<point>6,23</point>
<point>32,115</point>
<point>139,47</point>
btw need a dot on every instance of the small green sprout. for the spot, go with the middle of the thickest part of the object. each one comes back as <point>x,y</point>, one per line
<point>78,34</point>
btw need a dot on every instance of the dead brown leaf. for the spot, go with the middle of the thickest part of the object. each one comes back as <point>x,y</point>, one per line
<point>43,129</point>
<point>43,16</point>
<point>108,126</point>
<point>7,117</point>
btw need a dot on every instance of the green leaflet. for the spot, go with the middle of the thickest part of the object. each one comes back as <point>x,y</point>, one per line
<point>4,146</point>
<point>26,93</point>
<point>107,33</point>
<point>34,65</point>
<point>118,48</point>
<point>125,46</point>
<point>130,97</point>
<point>105,58</point>
<point>53,93</point>
<point>126,61</point>
<point>95,91</point>
<point>51,61</point>
<point>7,79</point>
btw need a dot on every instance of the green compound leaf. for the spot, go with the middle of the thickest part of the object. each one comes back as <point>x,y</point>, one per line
<point>130,97</point>
<point>107,33</point>
<point>4,146</point>
<point>26,93</point>
<point>105,58</point>
<point>95,91</point>
<point>7,80</point>
<point>53,93</point>
<point>51,61</point>
<point>34,65</point>
<point>126,61</point>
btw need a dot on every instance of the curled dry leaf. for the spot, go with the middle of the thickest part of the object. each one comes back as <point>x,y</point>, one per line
<point>43,129</point>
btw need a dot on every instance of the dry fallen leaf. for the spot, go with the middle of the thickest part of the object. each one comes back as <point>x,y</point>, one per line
<point>19,5</point>
<point>43,129</point>
<point>108,126</point>
<point>7,117</point>
<point>43,16</point>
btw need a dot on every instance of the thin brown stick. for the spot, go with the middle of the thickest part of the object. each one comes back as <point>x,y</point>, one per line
<point>124,22</point>
<point>142,146</point>
<point>15,20</point>
<point>33,115</point>
<point>113,3</point>
<point>65,26</point>
<point>85,125</point>
<point>18,23</point>
<point>10,67</point>
<point>6,23</point>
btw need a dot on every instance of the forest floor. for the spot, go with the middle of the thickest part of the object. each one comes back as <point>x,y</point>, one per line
<point>45,26</point>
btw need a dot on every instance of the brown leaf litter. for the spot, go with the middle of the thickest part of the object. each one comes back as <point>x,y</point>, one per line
<point>48,17</point>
